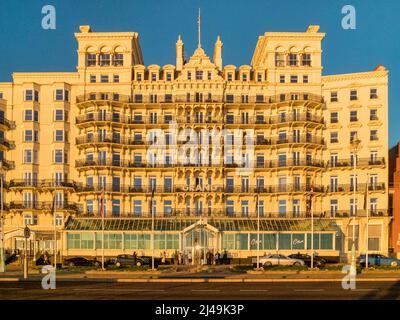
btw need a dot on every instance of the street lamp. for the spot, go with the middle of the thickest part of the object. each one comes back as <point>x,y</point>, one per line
<point>355,146</point>
<point>2,257</point>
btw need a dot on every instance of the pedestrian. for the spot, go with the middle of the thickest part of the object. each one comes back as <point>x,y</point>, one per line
<point>134,257</point>
<point>217,256</point>
<point>180,257</point>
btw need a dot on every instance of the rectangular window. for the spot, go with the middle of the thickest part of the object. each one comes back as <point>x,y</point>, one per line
<point>29,95</point>
<point>28,136</point>
<point>279,59</point>
<point>116,77</point>
<point>373,114</point>
<point>169,76</point>
<point>282,78</point>
<point>334,137</point>
<point>334,117</point>
<point>91,59</point>
<point>104,59</point>
<point>334,96</point>
<point>118,59</point>
<point>282,208</point>
<point>137,208</point>
<point>92,78</point>
<point>353,95</point>
<point>373,136</point>
<point>116,207</point>
<point>59,136</point>
<point>104,78</point>
<point>293,79</point>
<point>28,115</point>
<point>353,116</point>
<point>199,75</point>
<point>59,95</point>
<point>373,93</point>
<point>59,115</point>
<point>305,79</point>
<point>306,59</point>
<point>292,59</point>
<point>154,76</point>
<point>58,156</point>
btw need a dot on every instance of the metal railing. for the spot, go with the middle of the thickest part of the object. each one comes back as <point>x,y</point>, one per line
<point>138,98</point>
<point>42,205</point>
<point>360,162</point>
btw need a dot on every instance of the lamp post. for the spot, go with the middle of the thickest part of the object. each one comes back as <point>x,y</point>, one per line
<point>355,145</point>
<point>2,257</point>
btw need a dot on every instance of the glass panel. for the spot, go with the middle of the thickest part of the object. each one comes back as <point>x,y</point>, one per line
<point>298,241</point>
<point>285,241</point>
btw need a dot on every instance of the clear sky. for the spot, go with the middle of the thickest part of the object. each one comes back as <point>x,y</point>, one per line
<point>27,47</point>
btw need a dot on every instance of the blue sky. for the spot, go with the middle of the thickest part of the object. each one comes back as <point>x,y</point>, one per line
<point>239,23</point>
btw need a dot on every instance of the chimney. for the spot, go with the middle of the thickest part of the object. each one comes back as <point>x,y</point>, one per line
<point>218,53</point>
<point>179,54</point>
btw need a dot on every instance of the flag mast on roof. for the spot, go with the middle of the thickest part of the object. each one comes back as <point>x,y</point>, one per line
<point>199,29</point>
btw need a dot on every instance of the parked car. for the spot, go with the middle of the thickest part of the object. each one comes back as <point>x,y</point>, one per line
<point>279,259</point>
<point>80,262</point>
<point>318,261</point>
<point>378,260</point>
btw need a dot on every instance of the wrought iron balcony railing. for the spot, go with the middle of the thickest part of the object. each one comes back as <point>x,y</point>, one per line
<point>360,162</point>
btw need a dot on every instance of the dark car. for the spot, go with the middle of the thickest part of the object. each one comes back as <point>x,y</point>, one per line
<point>378,260</point>
<point>81,262</point>
<point>318,261</point>
<point>127,260</point>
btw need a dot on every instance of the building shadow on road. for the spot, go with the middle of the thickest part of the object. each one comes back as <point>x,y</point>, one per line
<point>390,293</point>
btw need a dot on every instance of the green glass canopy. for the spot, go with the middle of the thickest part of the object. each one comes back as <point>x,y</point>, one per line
<point>179,224</point>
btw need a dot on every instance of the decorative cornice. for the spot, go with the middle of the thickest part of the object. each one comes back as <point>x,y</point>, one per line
<point>355,76</point>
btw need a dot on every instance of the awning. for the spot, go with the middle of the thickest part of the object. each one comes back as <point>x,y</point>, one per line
<point>179,224</point>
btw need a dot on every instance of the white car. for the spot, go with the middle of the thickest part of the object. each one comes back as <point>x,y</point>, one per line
<point>279,259</point>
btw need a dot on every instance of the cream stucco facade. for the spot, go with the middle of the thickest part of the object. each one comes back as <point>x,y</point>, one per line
<point>271,139</point>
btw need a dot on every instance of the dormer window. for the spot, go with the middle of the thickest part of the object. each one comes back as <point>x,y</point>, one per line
<point>230,77</point>
<point>154,76</point>
<point>169,76</point>
<point>259,77</point>
<point>118,59</point>
<point>189,75</point>
<point>138,76</point>
<point>91,59</point>
<point>199,75</point>
<point>244,77</point>
<point>104,59</point>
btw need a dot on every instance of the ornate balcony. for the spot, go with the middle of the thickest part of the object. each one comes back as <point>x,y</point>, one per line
<point>7,143</point>
<point>361,187</point>
<point>45,206</point>
<point>361,162</point>
<point>7,164</point>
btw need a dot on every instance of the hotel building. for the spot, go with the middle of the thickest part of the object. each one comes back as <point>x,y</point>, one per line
<point>215,152</point>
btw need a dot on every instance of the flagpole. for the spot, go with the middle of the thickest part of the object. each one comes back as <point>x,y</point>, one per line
<point>102,227</point>
<point>312,229</point>
<point>258,232</point>
<point>55,230</point>
<point>152,228</point>
<point>199,29</point>
<point>366,232</point>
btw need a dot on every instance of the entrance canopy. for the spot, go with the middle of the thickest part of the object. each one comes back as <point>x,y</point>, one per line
<point>180,224</point>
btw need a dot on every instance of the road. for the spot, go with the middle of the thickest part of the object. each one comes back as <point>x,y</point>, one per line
<point>199,291</point>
